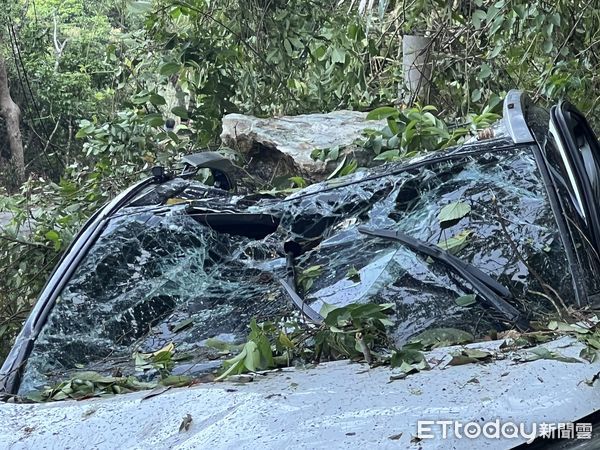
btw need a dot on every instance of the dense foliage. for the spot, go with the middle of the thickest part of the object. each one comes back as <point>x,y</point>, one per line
<point>96,79</point>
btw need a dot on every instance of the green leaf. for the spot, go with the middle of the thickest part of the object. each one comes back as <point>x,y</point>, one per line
<point>466,300</point>
<point>334,153</point>
<point>235,365</point>
<point>477,18</point>
<point>265,354</point>
<point>298,181</point>
<point>383,113</point>
<point>338,55</point>
<point>485,72</point>
<point>496,51</point>
<point>285,340</point>
<point>406,355</point>
<point>521,10</point>
<point>388,155</point>
<point>320,53</point>
<point>54,237</point>
<point>170,68</point>
<point>326,309</point>
<point>589,354</point>
<point>468,356</point>
<point>353,275</point>
<point>252,357</point>
<point>453,212</point>
<point>394,142</point>
<point>288,47</point>
<point>157,99</point>
<point>180,111</point>
<point>567,327</point>
<point>442,337</point>
<point>154,119</point>
<point>223,346</point>
<point>338,170</point>
<point>86,128</point>
<point>544,353</point>
<point>141,98</point>
<point>183,324</point>
<point>457,242</point>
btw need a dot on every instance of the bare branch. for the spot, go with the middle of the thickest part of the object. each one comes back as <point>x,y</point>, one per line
<point>58,46</point>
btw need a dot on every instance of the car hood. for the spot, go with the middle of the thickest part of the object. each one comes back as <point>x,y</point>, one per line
<point>337,404</point>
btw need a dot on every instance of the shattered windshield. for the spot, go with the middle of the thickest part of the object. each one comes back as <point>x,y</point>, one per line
<point>191,267</point>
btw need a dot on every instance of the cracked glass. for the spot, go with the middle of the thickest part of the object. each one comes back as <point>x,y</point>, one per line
<point>189,265</point>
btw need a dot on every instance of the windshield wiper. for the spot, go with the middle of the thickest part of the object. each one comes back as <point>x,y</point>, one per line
<point>494,293</point>
<point>293,249</point>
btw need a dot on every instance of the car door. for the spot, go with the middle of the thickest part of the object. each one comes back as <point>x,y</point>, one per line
<point>580,153</point>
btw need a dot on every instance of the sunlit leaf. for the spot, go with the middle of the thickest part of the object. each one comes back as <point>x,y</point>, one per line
<point>170,68</point>
<point>383,113</point>
<point>455,243</point>
<point>442,337</point>
<point>353,275</point>
<point>454,211</point>
<point>544,353</point>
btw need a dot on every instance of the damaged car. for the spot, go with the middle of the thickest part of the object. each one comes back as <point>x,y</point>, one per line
<point>486,255</point>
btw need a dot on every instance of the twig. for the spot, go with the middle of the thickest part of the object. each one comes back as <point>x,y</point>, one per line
<point>547,289</point>
<point>20,241</point>
<point>58,47</point>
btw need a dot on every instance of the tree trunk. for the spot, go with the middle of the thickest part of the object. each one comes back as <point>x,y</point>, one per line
<point>11,114</point>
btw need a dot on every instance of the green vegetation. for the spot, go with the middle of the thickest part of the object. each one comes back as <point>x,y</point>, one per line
<point>94,81</point>
<point>356,332</point>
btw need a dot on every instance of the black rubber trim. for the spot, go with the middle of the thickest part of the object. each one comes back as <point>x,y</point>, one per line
<point>563,228</point>
<point>449,155</point>
<point>11,371</point>
<point>490,290</point>
<point>590,205</point>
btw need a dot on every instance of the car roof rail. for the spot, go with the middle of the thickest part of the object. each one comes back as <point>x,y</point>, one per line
<point>513,111</point>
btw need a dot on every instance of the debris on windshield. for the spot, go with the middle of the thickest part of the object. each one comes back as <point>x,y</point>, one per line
<point>87,385</point>
<point>307,277</point>
<point>544,353</point>
<point>161,360</point>
<point>442,337</point>
<point>353,275</point>
<point>468,356</point>
<point>273,345</point>
<point>193,273</point>
<point>452,213</point>
<point>456,243</point>
<point>466,300</point>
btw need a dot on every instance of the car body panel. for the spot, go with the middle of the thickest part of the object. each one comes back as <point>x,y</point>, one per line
<point>333,405</point>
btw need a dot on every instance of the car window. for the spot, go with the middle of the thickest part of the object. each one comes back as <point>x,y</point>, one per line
<point>162,275</point>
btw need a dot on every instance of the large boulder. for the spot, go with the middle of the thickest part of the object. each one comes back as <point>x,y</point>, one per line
<point>282,146</point>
